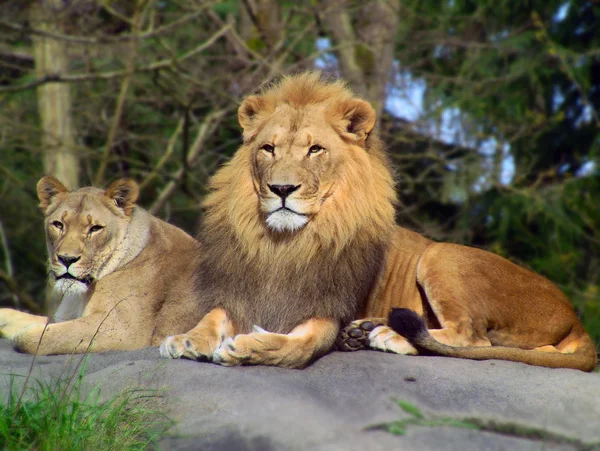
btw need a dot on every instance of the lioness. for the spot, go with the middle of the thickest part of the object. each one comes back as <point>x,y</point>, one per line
<point>299,236</point>
<point>123,277</point>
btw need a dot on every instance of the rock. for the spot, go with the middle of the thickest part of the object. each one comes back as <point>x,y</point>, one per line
<point>335,403</point>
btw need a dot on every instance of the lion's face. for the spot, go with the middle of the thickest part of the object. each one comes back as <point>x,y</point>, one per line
<point>294,158</point>
<point>299,155</point>
<point>84,229</point>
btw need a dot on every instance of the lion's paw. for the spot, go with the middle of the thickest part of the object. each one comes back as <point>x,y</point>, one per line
<point>178,346</point>
<point>355,336</point>
<point>227,354</point>
<point>384,338</point>
<point>246,348</point>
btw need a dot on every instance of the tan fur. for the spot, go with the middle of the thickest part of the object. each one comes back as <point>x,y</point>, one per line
<point>485,307</point>
<point>137,268</point>
<point>340,255</point>
<point>298,282</point>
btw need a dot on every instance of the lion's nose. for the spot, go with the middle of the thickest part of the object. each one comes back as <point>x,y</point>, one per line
<point>283,191</point>
<point>67,260</point>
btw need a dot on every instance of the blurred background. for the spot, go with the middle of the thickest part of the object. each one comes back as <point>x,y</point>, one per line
<point>489,108</point>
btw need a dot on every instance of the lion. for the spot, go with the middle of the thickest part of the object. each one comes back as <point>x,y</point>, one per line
<point>123,278</point>
<point>299,238</point>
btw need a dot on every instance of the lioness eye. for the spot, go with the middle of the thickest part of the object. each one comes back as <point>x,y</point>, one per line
<point>315,148</point>
<point>95,228</point>
<point>57,224</point>
<point>268,148</point>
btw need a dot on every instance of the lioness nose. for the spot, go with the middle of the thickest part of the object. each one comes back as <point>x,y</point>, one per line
<point>283,191</point>
<point>67,260</point>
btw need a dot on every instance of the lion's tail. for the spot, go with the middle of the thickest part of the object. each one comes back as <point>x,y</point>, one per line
<point>412,327</point>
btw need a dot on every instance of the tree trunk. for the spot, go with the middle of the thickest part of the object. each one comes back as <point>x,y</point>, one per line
<point>54,99</point>
<point>365,45</point>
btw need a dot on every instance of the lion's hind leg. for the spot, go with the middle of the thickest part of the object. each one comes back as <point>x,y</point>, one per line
<point>384,338</point>
<point>200,342</point>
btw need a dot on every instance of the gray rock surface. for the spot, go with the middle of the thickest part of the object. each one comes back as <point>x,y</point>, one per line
<point>332,404</point>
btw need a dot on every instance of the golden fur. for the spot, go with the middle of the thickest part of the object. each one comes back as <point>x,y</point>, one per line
<point>334,251</point>
<point>121,277</point>
<point>302,272</point>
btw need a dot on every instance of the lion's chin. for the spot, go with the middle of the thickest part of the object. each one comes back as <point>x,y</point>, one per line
<point>286,221</point>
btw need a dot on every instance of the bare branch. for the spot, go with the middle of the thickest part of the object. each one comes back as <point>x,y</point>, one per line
<point>338,21</point>
<point>76,78</point>
<point>166,156</point>
<point>28,302</point>
<point>206,129</point>
<point>26,29</point>
<point>7,259</point>
<point>120,100</point>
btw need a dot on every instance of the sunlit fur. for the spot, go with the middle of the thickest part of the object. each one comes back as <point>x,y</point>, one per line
<point>363,206</point>
<point>99,252</point>
<point>327,267</point>
<point>130,276</point>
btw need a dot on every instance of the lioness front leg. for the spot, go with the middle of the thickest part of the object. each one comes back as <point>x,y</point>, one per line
<point>97,332</point>
<point>13,321</point>
<point>297,349</point>
<point>200,342</point>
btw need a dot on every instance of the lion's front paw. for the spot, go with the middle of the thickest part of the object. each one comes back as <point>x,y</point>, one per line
<point>355,336</point>
<point>178,346</point>
<point>258,347</point>
<point>384,338</point>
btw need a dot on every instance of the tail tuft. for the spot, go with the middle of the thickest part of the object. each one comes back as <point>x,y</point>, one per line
<point>407,323</point>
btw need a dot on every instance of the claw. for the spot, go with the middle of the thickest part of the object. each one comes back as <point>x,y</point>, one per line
<point>165,349</point>
<point>228,343</point>
<point>259,329</point>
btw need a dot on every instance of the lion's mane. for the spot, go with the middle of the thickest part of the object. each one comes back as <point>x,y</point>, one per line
<point>327,269</point>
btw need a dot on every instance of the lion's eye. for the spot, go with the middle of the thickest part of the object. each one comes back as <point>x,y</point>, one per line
<point>57,224</point>
<point>268,148</point>
<point>314,149</point>
<point>95,228</point>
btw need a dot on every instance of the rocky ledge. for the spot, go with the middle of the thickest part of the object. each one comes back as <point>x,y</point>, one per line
<point>350,401</point>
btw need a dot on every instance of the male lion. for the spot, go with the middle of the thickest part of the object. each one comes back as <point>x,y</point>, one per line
<point>122,276</point>
<point>299,237</point>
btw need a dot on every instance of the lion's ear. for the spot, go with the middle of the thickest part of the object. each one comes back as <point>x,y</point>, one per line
<point>47,188</point>
<point>124,193</point>
<point>248,113</point>
<point>358,117</point>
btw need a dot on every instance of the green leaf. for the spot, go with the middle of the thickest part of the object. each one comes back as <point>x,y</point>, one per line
<point>410,409</point>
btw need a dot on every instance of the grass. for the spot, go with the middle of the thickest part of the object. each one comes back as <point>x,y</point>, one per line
<point>56,416</point>
<point>418,418</point>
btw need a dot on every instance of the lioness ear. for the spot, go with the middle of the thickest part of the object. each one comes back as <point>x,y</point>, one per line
<point>47,188</point>
<point>359,118</point>
<point>248,113</point>
<point>124,193</point>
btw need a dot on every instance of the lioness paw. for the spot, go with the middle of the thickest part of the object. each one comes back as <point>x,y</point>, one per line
<point>384,338</point>
<point>178,346</point>
<point>28,339</point>
<point>13,321</point>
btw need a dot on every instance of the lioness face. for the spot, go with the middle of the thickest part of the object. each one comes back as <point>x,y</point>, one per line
<point>84,229</point>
